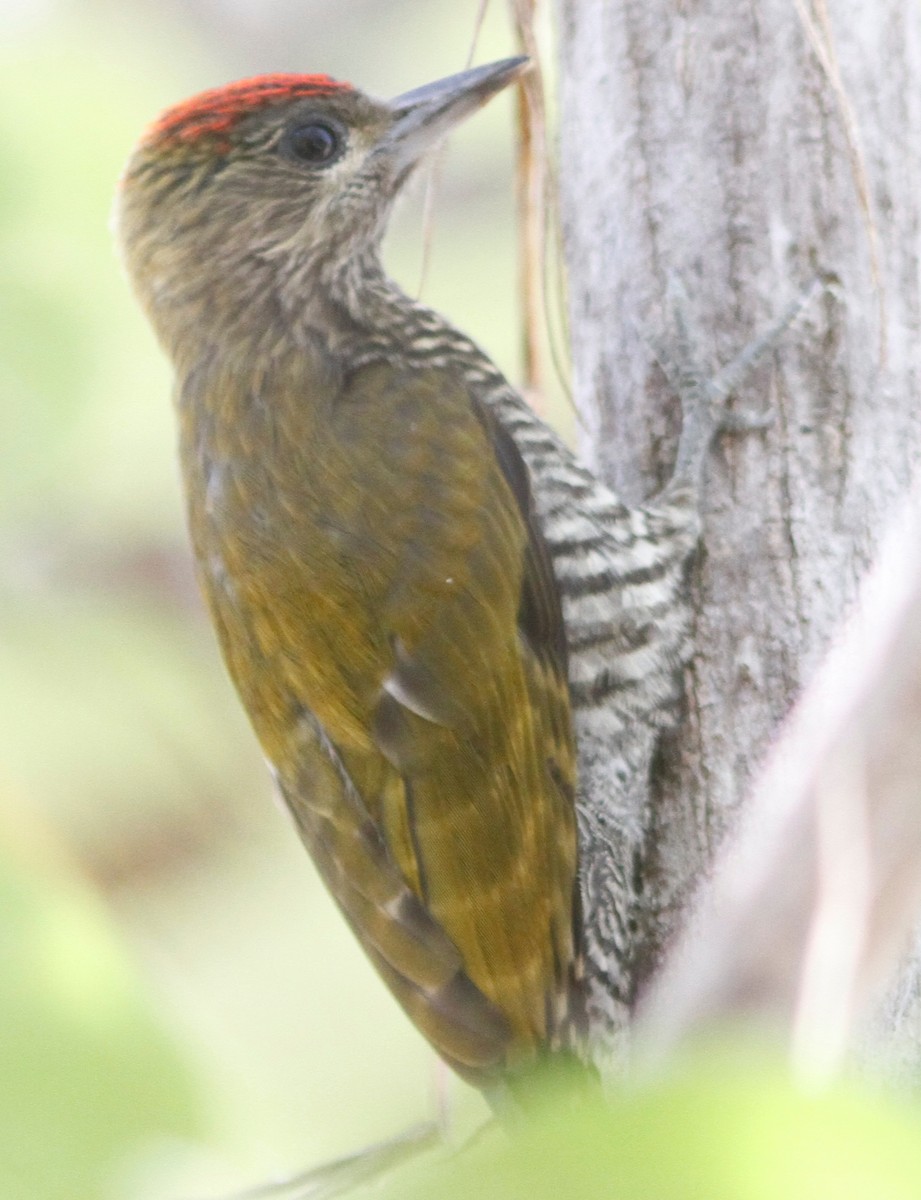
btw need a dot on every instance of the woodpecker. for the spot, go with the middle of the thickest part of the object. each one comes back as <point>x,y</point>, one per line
<point>456,646</point>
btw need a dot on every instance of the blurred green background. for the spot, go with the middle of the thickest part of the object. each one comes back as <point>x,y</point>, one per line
<point>181,1009</point>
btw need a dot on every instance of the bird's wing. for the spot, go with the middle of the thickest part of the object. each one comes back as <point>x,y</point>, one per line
<point>413,618</point>
<point>474,717</point>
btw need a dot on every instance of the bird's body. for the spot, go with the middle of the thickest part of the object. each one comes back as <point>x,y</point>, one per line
<point>387,754</point>
<point>429,608</point>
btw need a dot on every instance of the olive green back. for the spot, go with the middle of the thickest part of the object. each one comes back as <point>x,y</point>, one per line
<point>386,608</point>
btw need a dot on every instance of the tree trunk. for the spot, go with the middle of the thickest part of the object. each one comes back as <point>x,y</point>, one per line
<point>741,149</point>
<point>809,909</point>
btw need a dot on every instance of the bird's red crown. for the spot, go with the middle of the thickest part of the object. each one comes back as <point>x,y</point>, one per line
<point>217,110</point>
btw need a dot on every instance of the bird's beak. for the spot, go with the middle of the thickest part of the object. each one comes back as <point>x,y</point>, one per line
<point>423,116</point>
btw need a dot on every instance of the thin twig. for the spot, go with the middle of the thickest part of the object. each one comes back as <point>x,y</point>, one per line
<point>433,179</point>
<point>348,1173</point>
<point>531,175</point>
<point>539,225</point>
<point>477,29</point>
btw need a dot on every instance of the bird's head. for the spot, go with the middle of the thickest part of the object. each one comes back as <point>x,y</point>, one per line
<point>274,182</point>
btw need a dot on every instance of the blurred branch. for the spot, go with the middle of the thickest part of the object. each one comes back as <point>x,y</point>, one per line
<point>531,171</point>
<point>542,282</point>
<point>809,909</point>
<point>347,1175</point>
<point>51,559</point>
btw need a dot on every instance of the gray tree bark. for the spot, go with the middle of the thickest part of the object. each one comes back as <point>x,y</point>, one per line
<point>743,148</point>
<point>810,909</point>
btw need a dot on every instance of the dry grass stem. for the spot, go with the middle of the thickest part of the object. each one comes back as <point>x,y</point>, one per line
<point>817,26</point>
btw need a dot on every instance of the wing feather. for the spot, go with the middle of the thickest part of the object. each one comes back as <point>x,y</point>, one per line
<point>394,628</point>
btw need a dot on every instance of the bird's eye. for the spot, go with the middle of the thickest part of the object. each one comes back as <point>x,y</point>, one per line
<point>316,143</point>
